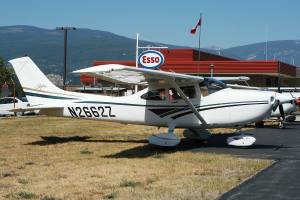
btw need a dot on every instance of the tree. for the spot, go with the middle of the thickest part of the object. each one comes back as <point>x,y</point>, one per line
<point>6,75</point>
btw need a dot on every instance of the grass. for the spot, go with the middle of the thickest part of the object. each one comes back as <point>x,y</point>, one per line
<point>158,155</point>
<point>86,151</point>
<point>128,183</point>
<point>23,181</point>
<point>112,195</point>
<point>29,163</point>
<point>7,174</point>
<point>21,195</point>
<point>80,159</point>
<point>49,198</point>
<point>26,195</point>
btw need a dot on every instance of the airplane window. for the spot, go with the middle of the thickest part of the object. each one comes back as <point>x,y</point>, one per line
<point>189,91</point>
<point>7,101</point>
<point>209,86</point>
<point>173,95</point>
<point>10,100</point>
<point>204,90</point>
<point>157,95</point>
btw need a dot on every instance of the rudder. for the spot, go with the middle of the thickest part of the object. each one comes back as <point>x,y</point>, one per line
<point>34,81</point>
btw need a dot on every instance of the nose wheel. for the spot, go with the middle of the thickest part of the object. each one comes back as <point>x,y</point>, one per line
<point>281,124</point>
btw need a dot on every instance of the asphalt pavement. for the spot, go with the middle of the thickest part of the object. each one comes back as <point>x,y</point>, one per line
<point>279,181</point>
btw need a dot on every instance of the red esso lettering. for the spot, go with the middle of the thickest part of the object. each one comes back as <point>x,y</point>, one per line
<point>146,59</point>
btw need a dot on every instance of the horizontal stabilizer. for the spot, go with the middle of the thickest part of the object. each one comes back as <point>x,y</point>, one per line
<point>41,107</point>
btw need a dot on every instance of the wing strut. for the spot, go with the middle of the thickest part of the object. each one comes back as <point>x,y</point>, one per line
<point>188,102</point>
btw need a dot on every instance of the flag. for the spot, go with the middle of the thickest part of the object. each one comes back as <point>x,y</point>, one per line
<point>193,31</point>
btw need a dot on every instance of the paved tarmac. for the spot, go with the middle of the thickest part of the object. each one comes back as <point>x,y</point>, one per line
<point>279,181</point>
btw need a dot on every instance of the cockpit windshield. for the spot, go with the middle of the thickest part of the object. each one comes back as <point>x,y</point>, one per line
<point>209,86</point>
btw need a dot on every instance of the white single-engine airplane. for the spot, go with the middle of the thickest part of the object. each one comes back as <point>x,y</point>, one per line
<point>171,100</point>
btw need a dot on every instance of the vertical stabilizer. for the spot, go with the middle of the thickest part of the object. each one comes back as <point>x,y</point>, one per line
<point>37,87</point>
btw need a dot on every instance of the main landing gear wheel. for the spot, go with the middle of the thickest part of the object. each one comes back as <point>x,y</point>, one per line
<point>165,139</point>
<point>259,124</point>
<point>196,134</point>
<point>241,140</point>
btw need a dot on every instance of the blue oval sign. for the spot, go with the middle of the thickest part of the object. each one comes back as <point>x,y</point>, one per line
<point>151,59</point>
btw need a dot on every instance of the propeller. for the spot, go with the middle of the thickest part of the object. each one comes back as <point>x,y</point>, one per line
<point>280,104</point>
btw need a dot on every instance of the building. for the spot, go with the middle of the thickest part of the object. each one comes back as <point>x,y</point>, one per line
<point>263,73</point>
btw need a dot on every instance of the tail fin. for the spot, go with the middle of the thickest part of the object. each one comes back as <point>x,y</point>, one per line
<point>35,84</point>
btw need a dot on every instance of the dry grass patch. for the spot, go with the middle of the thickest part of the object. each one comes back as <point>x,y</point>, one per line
<point>56,158</point>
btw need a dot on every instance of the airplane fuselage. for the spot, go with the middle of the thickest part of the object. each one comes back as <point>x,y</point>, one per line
<point>225,108</point>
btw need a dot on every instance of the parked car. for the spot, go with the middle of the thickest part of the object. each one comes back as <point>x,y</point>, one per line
<point>7,104</point>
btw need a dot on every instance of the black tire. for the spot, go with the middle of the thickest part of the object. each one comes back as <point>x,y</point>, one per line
<point>259,124</point>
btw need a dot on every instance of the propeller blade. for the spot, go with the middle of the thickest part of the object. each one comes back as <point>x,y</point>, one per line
<point>281,112</point>
<point>275,105</point>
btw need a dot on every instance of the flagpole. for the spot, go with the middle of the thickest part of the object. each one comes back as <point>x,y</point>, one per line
<point>136,58</point>
<point>199,43</point>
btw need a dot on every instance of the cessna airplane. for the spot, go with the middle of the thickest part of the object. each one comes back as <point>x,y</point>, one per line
<point>171,100</point>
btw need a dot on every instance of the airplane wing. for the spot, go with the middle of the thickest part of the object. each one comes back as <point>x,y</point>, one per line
<point>125,74</point>
<point>236,86</point>
<point>131,75</point>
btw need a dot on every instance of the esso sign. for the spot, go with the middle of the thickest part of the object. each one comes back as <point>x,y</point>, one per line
<point>151,59</point>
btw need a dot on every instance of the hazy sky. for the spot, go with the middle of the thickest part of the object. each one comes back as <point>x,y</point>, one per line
<point>226,23</point>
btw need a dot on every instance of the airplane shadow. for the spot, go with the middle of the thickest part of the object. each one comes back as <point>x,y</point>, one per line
<point>215,141</point>
<point>287,127</point>
<point>50,140</point>
<point>147,150</point>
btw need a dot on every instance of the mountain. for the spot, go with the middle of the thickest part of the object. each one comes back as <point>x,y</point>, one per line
<point>287,51</point>
<point>45,47</point>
